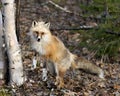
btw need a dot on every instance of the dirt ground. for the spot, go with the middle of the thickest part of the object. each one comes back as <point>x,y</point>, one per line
<point>78,83</point>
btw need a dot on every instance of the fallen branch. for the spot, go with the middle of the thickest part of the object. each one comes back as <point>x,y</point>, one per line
<point>56,5</point>
<point>114,33</point>
<point>79,28</point>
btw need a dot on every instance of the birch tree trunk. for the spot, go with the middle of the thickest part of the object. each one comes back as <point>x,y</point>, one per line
<point>13,48</point>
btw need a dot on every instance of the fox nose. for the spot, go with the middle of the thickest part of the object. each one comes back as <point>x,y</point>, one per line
<point>38,39</point>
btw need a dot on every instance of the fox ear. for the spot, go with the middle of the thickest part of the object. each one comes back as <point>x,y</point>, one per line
<point>34,23</point>
<point>47,25</point>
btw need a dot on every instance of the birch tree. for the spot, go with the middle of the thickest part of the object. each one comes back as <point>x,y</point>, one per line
<point>13,48</point>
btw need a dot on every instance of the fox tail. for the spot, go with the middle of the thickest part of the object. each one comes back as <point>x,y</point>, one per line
<point>82,63</point>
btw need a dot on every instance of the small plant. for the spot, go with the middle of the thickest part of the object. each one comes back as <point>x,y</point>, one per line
<point>4,92</point>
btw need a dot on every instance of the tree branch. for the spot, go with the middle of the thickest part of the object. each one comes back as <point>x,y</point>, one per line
<point>56,5</point>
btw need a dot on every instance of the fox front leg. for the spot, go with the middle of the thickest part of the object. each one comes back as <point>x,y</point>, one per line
<point>60,72</point>
<point>34,63</point>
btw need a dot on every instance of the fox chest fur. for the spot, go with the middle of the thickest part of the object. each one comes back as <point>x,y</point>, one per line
<point>38,46</point>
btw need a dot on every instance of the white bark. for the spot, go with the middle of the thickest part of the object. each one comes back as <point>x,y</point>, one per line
<point>13,48</point>
<point>1,45</point>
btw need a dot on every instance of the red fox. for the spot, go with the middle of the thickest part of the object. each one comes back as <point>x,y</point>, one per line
<point>53,49</point>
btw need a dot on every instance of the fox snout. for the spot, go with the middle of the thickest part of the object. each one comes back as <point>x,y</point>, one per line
<point>38,39</point>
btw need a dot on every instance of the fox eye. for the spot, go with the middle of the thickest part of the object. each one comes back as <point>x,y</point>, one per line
<point>42,33</point>
<point>36,32</point>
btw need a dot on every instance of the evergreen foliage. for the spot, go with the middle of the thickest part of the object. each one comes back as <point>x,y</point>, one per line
<point>100,40</point>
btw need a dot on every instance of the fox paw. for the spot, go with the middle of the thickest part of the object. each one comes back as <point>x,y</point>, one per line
<point>59,83</point>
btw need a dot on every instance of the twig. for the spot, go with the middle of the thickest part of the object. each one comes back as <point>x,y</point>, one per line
<point>56,5</point>
<point>69,92</point>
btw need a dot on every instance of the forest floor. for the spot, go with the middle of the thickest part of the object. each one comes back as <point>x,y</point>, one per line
<point>77,84</point>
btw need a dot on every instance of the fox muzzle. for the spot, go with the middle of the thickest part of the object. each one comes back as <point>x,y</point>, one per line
<point>38,39</point>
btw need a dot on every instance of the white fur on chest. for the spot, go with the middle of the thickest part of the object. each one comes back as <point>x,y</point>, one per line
<point>39,47</point>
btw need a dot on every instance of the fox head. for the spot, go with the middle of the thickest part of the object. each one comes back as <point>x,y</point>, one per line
<point>40,31</point>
